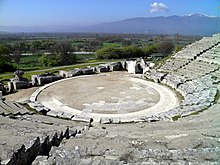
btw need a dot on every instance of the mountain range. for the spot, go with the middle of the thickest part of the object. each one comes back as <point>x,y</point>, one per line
<point>194,24</point>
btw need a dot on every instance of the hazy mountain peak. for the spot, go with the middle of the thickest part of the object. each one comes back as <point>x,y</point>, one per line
<point>200,15</point>
<point>200,24</point>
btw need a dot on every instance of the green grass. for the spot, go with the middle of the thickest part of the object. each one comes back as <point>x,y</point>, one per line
<point>198,112</point>
<point>30,58</point>
<point>31,62</point>
<point>103,60</point>
<point>96,60</point>
<point>178,95</point>
<point>12,116</point>
<point>127,157</point>
<point>106,44</point>
<point>83,57</point>
<point>25,105</point>
<point>175,118</point>
<point>5,78</point>
<point>217,97</point>
<point>31,66</point>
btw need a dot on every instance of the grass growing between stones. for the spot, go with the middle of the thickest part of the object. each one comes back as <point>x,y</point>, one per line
<point>25,105</point>
<point>40,113</point>
<point>217,97</point>
<point>178,95</point>
<point>148,79</point>
<point>59,117</point>
<point>159,63</point>
<point>127,157</point>
<point>176,118</point>
<point>198,112</point>
<point>12,116</point>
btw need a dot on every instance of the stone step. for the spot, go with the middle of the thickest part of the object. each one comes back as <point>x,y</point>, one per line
<point>4,112</point>
<point>17,109</point>
<point>7,108</point>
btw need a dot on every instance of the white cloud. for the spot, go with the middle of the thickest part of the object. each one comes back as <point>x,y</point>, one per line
<point>155,7</point>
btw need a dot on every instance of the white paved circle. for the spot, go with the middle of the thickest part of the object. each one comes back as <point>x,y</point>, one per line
<point>112,95</point>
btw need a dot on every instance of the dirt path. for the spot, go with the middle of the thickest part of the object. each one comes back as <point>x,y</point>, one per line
<point>21,95</point>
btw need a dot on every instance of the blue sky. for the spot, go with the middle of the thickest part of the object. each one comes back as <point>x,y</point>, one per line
<point>88,12</point>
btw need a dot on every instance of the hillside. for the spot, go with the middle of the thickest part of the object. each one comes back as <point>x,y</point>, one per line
<point>195,24</point>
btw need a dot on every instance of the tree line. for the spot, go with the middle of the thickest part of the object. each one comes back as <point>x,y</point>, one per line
<point>5,59</point>
<point>111,52</point>
<point>59,53</point>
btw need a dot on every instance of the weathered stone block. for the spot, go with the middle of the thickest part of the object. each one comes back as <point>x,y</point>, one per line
<point>87,71</point>
<point>102,68</point>
<point>115,66</point>
<point>44,78</point>
<point>20,84</point>
<point>10,87</point>
<point>1,97</point>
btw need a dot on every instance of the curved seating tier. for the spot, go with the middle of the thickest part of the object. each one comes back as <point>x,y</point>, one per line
<point>195,73</point>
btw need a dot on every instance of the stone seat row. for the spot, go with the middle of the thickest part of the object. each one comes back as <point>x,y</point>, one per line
<point>12,108</point>
<point>196,65</point>
<point>211,55</point>
<point>198,93</point>
<point>197,48</point>
<point>173,64</point>
<point>190,53</point>
<point>211,60</point>
<point>191,70</point>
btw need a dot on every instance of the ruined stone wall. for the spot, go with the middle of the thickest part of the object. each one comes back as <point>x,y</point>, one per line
<point>115,66</point>
<point>20,84</point>
<point>44,79</point>
<point>39,146</point>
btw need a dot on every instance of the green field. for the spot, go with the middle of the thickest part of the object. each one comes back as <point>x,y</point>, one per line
<point>7,76</point>
<point>85,57</point>
<point>105,44</point>
<point>31,62</point>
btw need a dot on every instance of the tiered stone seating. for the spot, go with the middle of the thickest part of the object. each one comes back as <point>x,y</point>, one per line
<point>173,64</point>
<point>198,95</point>
<point>12,108</point>
<point>197,80</point>
<point>32,135</point>
<point>211,56</point>
<point>192,62</point>
<point>199,47</point>
<point>194,72</point>
<point>197,69</point>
